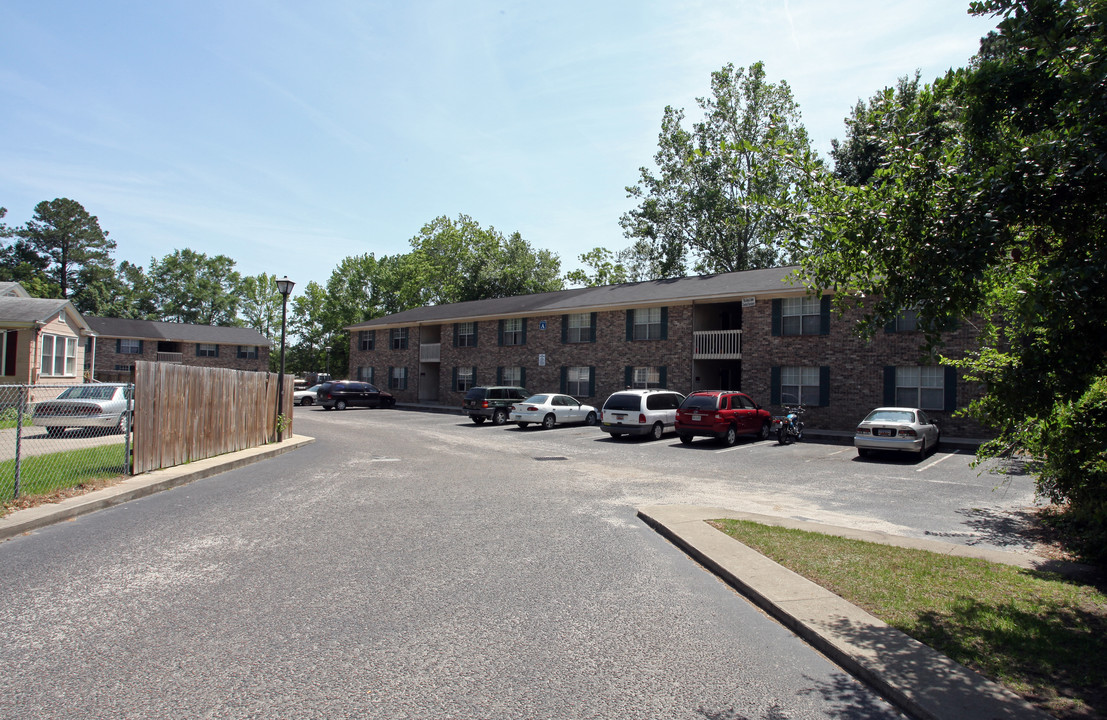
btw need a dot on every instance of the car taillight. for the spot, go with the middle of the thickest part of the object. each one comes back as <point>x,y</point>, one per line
<point>532,409</point>
<point>484,403</point>
<point>908,432</point>
<point>864,431</point>
<point>642,418</point>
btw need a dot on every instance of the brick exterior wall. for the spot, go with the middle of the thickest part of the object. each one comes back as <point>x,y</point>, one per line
<point>856,368</point>
<point>108,359</point>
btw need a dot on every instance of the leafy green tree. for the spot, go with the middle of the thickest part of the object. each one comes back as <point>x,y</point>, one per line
<point>725,191</point>
<point>608,268</point>
<point>860,155</point>
<point>190,287</point>
<point>138,292</point>
<point>69,239</point>
<point>309,321</point>
<point>989,202</point>
<point>260,305</point>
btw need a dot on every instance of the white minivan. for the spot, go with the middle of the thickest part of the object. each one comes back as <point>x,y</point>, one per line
<point>640,412</point>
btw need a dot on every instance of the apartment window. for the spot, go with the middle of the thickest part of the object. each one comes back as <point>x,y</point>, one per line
<point>366,339</point>
<point>466,334</point>
<point>513,332</point>
<point>463,378</point>
<point>578,328</point>
<point>908,321</point>
<point>248,352</point>
<point>578,382</point>
<point>643,378</point>
<point>59,356</point>
<point>799,385</point>
<point>648,324</point>
<point>124,368</point>
<point>510,376</point>
<point>207,350</point>
<point>921,387</point>
<point>364,374</point>
<point>800,316</point>
<point>397,377</point>
<point>128,346</point>
<point>398,339</point>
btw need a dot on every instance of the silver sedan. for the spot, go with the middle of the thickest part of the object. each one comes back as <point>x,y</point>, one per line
<point>93,405</point>
<point>897,428</point>
<point>551,409</point>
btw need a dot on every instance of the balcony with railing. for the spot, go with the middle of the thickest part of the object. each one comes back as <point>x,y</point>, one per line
<point>717,345</point>
<point>175,358</point>
<point>430,352</point>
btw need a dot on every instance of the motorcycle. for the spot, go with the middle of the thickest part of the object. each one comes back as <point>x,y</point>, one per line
<point>789,426</point>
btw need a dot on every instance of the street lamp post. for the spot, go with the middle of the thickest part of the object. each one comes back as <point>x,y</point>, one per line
<point>328,361</point>
<point>284,287</point>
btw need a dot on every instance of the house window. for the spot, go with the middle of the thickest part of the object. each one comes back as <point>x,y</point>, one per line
<point>921,387</point>
<point>364,374</point>
<point>129,346</point>
<point>578,381</point>
<point>366,339</point>
<point>513,331</point>
<point>248,352</point>
<point>908,321</point>
<point>580,328</point>
<point>799,385</point>
<point>511,376</point>
<point>466,334</point>
<point>398,339</point>
<point>397,377</point>
<point>800,316</point>
<point>207,350</point>
<point>647,324</point>
<point>643,378</point>
<point>59,356</point>
<point>464,379</point>
<point>124,368</point>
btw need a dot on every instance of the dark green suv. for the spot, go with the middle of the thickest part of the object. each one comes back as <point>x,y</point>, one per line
<point>482,403</point>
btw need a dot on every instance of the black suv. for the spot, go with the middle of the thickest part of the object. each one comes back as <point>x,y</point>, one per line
<point>493,402</point>
<point>345,393</point>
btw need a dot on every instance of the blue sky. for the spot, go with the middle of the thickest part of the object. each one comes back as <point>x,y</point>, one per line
<point>289,135</point>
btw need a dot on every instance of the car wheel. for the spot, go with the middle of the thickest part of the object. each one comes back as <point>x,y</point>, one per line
<point>937,442</point>
<point>305,401</point>
<point>731,436</point>
<point>340,405</point>
<point>616,436</point>
<point>522,425</point>
<point>121,426</point>
<point>766,429</point>
<point>590,419</point>
<point>54,431</point>
<point>686,439</point>
<point>499,417</point>
<point>922,451</point>
<point>548,422</point>
<point>657,431</point>
<point>862,452</point>
<point>478,419</point>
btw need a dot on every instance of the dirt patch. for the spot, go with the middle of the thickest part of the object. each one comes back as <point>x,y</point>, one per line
<point>30,501</point>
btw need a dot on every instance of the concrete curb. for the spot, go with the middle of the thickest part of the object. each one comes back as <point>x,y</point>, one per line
<point>917,679</point>
<point>22,521</point>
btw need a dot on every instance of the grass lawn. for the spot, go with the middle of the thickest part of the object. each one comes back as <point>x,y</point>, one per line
<point>57,475</point>
<point>1041,635</point>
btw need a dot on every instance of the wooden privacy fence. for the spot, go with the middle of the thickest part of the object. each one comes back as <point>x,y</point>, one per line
<point>184,413</point>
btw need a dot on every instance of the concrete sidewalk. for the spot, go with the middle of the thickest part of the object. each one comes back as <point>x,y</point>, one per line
<point>920,681</point>
<point>22,521</point>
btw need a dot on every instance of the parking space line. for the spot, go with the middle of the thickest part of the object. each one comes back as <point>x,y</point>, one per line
<point>935,462</point>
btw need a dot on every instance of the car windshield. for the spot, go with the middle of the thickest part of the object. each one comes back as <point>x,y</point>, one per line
<point>537,399</point>
<point>623,401</point>
<point>896,416</point>
<point>699,402</point>
<point>85,392</point>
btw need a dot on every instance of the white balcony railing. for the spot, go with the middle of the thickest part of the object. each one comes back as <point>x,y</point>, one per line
<point>430,352</point>
<point>717,345</point>
<point>170,357</point>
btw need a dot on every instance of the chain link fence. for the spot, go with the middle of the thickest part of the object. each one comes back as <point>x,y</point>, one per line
<point>60,436</point>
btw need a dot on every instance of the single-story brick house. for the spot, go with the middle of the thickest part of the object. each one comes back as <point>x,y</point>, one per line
<point>755,331</point>
<point>120,342</point>
<point>41,340</point>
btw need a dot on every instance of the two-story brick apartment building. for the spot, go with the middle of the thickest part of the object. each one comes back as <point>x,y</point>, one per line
<point>753,331</point>
<point>121,342</point>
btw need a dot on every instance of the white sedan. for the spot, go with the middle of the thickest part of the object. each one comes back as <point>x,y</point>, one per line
<point>897,428</point>
<point>551,409</point>
<point>305,397</point>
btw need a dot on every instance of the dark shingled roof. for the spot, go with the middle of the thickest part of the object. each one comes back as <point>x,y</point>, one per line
<point>178,332</point>
<point>30,310</point>
<point>725,286</point>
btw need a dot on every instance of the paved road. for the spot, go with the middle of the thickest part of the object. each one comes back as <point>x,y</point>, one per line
<point>415,565</point>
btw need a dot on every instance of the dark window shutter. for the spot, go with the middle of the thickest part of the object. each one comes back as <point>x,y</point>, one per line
<point>524,332</point>
<point>774,383</point>
<point>890,327</point>
<point>564,378</point>
<point>388,380</point>
<point>140,346</point>
<point>824,386</point>
<point>630,325</point>
<point>628,376</point>
<point>564,333</point>
<point>455,379</point>
<point>951,389</point>
<point>778,309</point>
<point>500,333</point>
<point>591,379</point>
<point>500,375</point>
<point>197,349</point>
<point>405,380</point>
<point>663,376</point>
<point>118,345</point>
<point>593,327</point>
<point>523,376</point>
<point>664,326</point>
<point>889,385</point>
<point>457,327</point>
<point>216,351</point>
<point>475,326</point>
<point>824,315</point>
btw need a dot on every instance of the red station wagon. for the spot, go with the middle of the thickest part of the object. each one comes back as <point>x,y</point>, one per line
<point>721,414</point>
